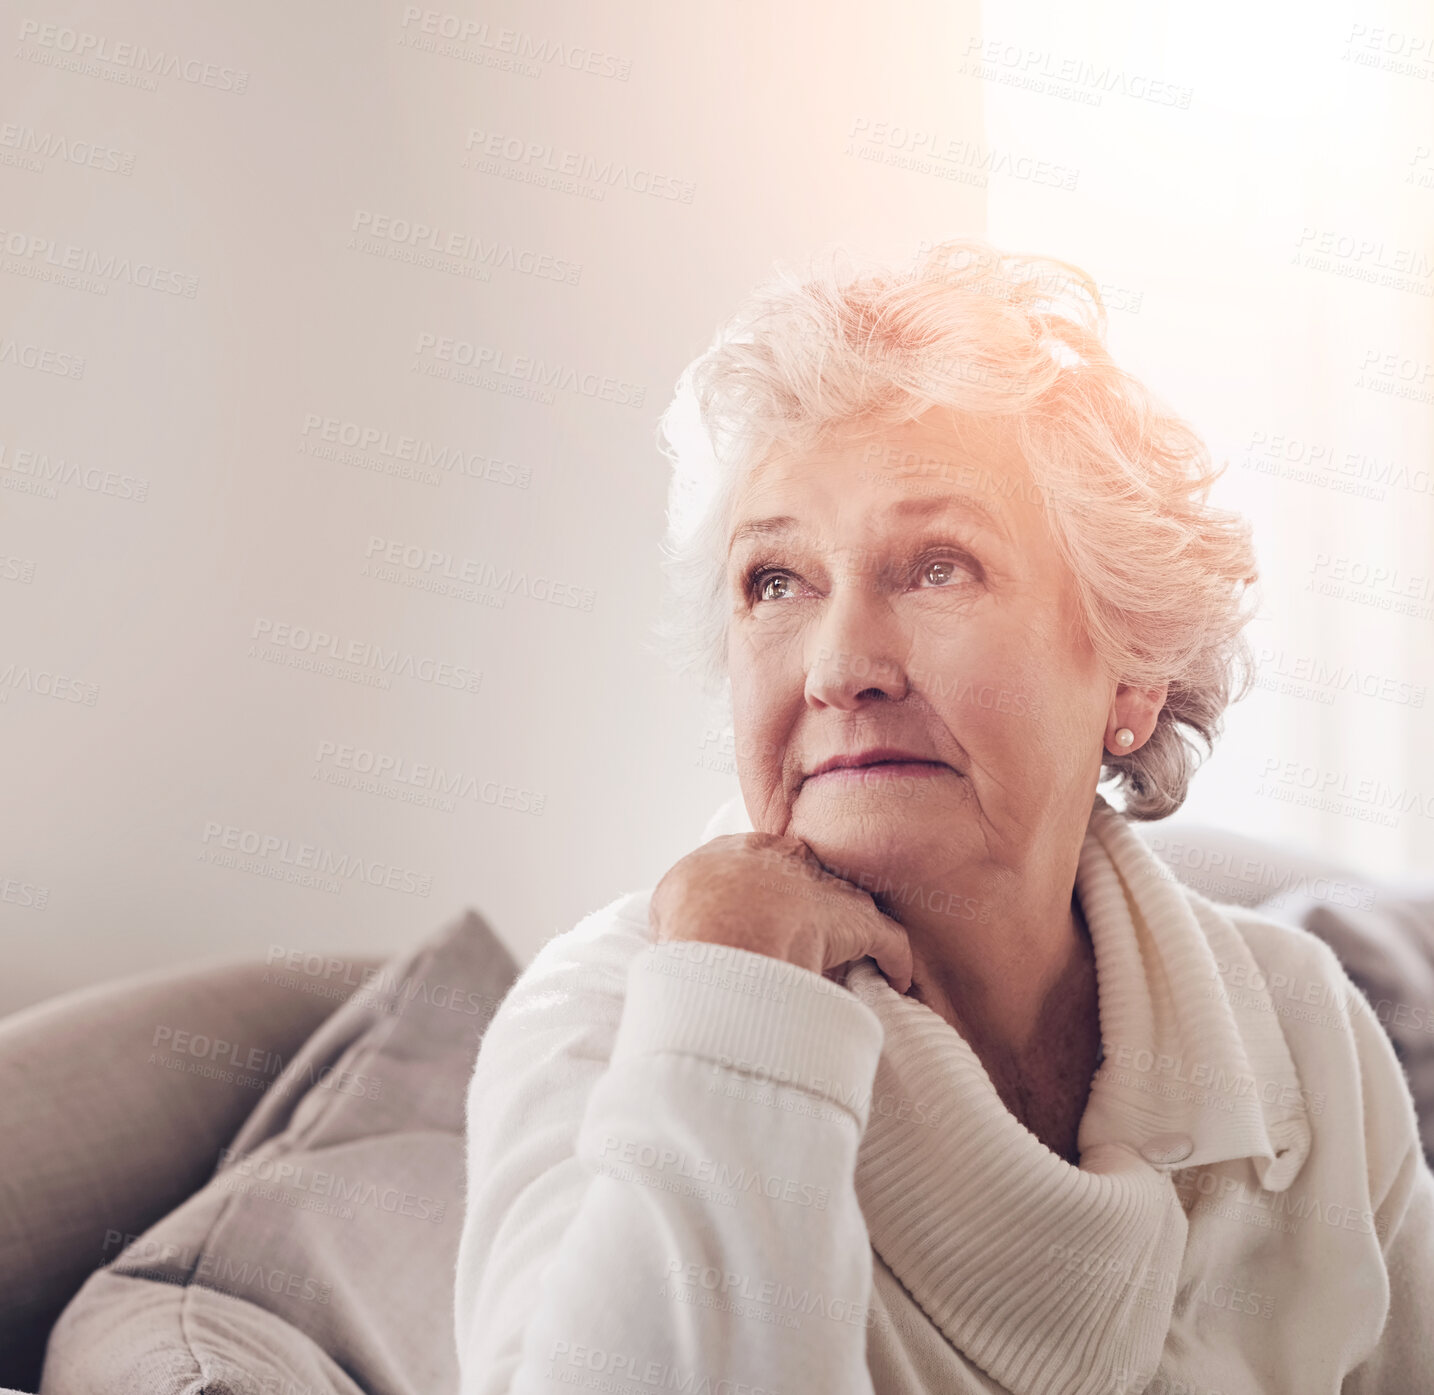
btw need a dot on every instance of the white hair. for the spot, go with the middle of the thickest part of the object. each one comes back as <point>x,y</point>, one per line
<point>1163,579</point>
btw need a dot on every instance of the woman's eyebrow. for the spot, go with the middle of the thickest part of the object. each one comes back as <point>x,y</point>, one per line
<point>924,507</point>
<point>761,528</point>
<point>935,505</point>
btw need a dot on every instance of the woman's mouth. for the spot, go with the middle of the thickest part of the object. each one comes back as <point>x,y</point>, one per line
<point>879,770</point>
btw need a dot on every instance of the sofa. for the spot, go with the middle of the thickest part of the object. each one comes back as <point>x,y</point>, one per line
<point>247,1179</point>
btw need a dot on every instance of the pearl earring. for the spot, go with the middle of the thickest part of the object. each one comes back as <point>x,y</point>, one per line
<point>1125,737</point>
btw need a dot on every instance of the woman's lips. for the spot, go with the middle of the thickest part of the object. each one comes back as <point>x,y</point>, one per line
<point>906,769</point>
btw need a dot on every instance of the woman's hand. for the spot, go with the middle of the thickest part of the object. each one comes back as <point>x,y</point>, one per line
<point>770,894</point>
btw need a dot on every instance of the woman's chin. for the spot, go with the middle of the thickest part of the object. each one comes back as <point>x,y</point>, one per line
<point>872,843</point>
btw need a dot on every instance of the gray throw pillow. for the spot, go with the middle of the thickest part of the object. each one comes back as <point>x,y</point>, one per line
<point>319,1258</point>
<point>1387,949</point>
<point>115,1101</point>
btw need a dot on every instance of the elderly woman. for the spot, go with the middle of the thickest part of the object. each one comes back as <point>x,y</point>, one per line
<point>927,1079</point>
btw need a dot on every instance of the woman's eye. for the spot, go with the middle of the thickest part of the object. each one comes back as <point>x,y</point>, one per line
<point>941,571</point>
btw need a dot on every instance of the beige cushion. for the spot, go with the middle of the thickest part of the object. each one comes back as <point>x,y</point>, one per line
<point>1387,949</point>
<point>320,1256</point>
<point>101,1135</point>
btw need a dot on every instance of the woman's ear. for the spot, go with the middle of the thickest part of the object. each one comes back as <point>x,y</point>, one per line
<point>1132,717</point>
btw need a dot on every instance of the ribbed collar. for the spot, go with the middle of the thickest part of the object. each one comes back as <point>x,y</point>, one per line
<point>1220,1063</point>
<point>1055,1278</point>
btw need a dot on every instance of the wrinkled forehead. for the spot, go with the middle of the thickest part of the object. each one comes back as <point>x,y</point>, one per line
<point>975,460</point>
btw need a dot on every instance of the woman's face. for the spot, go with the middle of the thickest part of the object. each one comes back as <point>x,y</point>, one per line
<point>903,591</point>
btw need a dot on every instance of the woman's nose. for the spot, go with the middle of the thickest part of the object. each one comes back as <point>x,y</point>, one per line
<point>856,649</point>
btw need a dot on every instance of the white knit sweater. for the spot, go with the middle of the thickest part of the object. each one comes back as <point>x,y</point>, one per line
<point>704,1170</point>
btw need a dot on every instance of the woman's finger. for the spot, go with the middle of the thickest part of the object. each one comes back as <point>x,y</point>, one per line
<point>871,934</point>
<point>892,952</point>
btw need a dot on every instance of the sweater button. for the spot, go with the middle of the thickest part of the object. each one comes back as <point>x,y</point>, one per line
<point>1166,1148</point>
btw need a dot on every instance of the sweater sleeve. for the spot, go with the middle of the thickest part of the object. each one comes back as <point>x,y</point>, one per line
<point>1402,1188</point>
<point>661,1154</point>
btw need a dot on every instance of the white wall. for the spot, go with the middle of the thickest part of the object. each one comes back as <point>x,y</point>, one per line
<point>1257,197</point>
<point>159,500</point>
